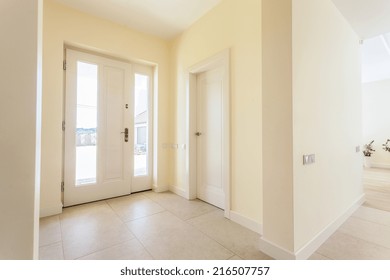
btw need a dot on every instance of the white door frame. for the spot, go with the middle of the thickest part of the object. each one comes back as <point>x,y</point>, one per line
<point>221,59</point>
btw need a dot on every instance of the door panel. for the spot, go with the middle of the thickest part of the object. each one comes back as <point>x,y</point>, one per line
<point>209,142</point>
<point>113,123</point>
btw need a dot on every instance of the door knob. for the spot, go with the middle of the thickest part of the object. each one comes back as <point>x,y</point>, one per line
<point>198,134</point>
<point>126,132</point>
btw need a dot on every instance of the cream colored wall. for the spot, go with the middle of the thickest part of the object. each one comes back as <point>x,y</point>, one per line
<point>20,69</point>
<point>277,124</point>
<point>235,25</point>
<point>311,105</point>
<point>376,115</point>
<point>64,25</point>
<point>326,116</point>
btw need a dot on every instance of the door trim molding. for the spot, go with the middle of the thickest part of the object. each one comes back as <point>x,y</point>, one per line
<point>221,59</point>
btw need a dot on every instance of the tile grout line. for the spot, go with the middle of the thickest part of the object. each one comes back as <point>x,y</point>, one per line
<point>361,239</point>
<point>323,255</point>
<point>142,244</point>
<point>187,222</point>
<point>369,221</point>
<point>62,239</point>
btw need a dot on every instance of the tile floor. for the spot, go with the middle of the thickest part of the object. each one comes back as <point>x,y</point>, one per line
<point>377,188</point>
<point>146,226</point>
<point>165,226</point>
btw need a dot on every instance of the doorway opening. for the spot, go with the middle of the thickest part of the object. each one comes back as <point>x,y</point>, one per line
<point>375,118</point>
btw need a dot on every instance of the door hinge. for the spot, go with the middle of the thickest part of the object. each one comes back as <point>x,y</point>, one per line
<point>62,186</point>
<point>64,65</point>
<point>63,125</point>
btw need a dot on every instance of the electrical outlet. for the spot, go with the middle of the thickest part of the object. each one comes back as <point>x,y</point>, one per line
<point>309,159</point>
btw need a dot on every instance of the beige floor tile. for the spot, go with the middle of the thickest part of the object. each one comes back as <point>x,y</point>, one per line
<point>342,246</point>
<point>90,229</point>
<point>368,231</point>
<point>95,217</point>
<point>49,230</point>
<point>373,215</point>
<point>235,258</point>
<point>167,237</point>
<point>179,206</point>
<point>51,252</point>
<point>243,242</point>
<point>134,206</point>
<point>130,250</point>
<point>317,256</point>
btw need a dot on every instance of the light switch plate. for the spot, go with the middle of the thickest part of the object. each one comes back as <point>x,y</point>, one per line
<point>357,149</point>
<point>309,159</point>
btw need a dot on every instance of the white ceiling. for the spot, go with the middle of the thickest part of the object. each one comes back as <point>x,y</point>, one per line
<point>162,18</point>
<point>376,59</point>
<point>369,18</point>
<point>168,18</point>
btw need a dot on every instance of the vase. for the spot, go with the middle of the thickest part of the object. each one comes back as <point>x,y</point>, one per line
<point>367,162</point>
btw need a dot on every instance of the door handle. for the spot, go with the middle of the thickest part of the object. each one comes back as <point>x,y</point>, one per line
<point>126,132</point>
<point>198,134</point>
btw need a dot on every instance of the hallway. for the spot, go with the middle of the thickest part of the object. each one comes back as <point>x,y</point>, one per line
<point>166,226</point>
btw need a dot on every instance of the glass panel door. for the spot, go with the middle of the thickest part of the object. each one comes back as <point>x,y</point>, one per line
<point>98,116</point>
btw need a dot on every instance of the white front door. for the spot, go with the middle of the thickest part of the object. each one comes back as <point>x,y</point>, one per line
<point>99,135</point>
<point>210,185</point>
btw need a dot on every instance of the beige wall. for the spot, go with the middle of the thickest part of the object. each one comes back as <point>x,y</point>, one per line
<point>20,88</point>
<point>63,25</point>
<point>326,116</point>
<point>277,123</point>
<point>312,93</point>
<point>376,115</point>
<point>235,25</point>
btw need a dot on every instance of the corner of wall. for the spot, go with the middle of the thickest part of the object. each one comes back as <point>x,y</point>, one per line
<point>51,210</point>
<point>312,246</point>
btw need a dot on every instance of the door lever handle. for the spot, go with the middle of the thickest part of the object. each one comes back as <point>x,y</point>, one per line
<point>126,132</point>
<point>198,134</point>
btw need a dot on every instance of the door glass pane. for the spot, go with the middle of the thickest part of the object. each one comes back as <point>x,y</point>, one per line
<point>87,75</point>
<point>141,124</point>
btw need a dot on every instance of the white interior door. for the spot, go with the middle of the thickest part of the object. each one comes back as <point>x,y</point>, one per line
<point>98,136</point>
<point>210,185</point>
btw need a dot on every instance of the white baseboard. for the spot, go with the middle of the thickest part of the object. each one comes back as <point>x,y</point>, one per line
<point>179,191</point>
<point>51,210</point>
<point>306,251</point>
<point>159,189</point>
<point>274,251</point>
<point>312,246</point>
<point>246,222</point>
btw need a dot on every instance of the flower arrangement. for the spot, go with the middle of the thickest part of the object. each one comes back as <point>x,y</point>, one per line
<point>368,150</point>
<point>386,146</point>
